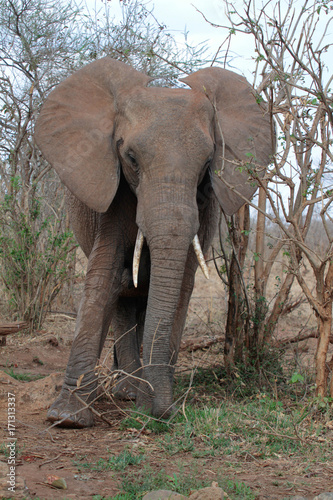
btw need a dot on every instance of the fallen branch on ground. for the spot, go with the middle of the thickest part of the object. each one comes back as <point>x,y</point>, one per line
<point>9,328</point>
<point>312,335</point>
<point>194,345</point>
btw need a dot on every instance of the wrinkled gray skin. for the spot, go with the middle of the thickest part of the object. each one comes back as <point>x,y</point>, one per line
<point>134,156</point>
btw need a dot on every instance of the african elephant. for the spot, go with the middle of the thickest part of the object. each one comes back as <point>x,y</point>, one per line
<point>146,169</point>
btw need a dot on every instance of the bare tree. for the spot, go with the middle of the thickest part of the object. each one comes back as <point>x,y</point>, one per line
<point>292,76</point>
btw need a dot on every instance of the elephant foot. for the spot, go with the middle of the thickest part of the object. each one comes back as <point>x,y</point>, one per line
<point>163,410</point>
<point>125,390</point>
<point>155,395</point>
<point>68,412</point>
<point>157,406</point>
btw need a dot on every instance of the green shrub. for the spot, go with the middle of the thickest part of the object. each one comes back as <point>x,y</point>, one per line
<point>36,252</point>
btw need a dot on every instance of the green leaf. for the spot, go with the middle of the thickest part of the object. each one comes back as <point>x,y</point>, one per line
<point>297,377</point>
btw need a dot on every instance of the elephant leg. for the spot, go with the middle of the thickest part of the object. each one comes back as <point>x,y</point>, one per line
<point>128,324</point>
<point>98,302</point>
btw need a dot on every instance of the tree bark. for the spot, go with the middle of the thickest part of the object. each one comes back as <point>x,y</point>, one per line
<point>324,330</point>
<point>259,283</point>
<point>234,331</point>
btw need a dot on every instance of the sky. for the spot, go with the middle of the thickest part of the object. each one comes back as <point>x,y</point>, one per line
<point>183,16</point>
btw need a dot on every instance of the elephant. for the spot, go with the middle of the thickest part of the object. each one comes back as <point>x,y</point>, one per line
<point>146,170</point>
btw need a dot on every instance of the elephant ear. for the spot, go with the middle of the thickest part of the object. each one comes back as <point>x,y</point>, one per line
<point>242,133</point>
<point>75,126</point>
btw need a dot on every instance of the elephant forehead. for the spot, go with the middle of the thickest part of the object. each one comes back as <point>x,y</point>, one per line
<point>169,106</point>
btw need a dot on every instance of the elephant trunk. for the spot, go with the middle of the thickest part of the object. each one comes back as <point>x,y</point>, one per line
<point>160,349</point>
<point>170,222</point>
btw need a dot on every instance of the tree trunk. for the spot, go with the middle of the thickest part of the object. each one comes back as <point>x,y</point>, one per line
<point>324,330</point>
<point>278,306</point>
<point>280,300</point>
<point>237,315</point>
<point>257,338</point>
<point>331,369</point>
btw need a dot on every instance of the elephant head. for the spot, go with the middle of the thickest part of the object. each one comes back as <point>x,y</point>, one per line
<point>96,112</point>
<point>176,149</point>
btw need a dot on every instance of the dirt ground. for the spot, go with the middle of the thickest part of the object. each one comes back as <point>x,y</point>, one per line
<point>45,451</point>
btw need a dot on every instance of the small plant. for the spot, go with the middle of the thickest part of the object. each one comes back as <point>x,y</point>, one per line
<point>323,405</point>
<point>23,377</point>
<point>122,461</point>
<point>174,481</point>
<point>239,490</point>
<point>137,483</point>
<point>37,361</point>
<point>173,446</point>
<point>4,450</point>
<point>296,377</point>
<point>118,463</point>
<point>144,420</point>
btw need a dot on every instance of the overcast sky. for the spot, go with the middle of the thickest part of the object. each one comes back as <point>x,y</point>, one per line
<point>182,16</point>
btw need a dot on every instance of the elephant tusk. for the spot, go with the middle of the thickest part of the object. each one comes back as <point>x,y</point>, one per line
<point>200,257</point>
<point>136,257</point>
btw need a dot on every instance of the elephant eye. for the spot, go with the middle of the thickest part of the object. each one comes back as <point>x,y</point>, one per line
<point>132,159</point>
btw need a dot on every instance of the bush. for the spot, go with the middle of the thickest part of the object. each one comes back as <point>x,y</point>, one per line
<point>36,253</point>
